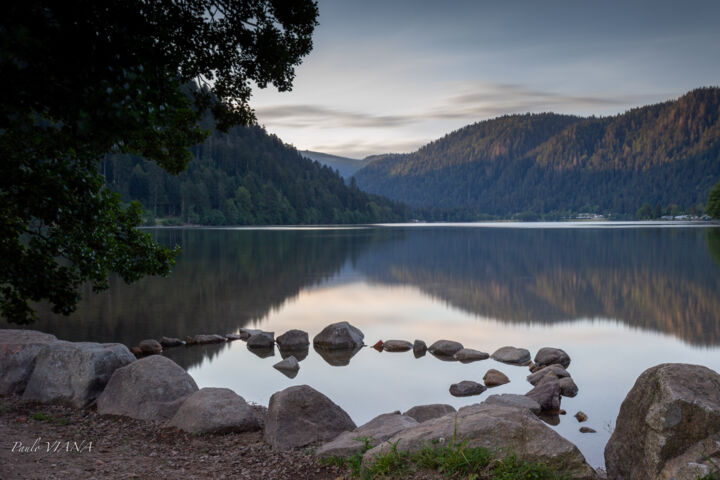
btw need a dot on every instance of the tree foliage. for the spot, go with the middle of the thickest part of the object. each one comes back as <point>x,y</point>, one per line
<point>713,204</point>
<point>81,79</point>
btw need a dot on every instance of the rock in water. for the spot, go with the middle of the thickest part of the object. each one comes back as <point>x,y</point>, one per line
<point>547,394</point>
<point>18,349</point>
<point>667,425</point>
<point>300,416</point>
<point>466,388</point>
<point>467,355</point>
<point>215,410</point>
<point>74,374</point>
<point>587,430</point>
<point>231,337</point>
<point>423,413</point>
<point>397,346</point>
<point>335,357</point>
<point>496,428</point>
<point>493,378</point>
<point>262,340</point>
<point>152,388</point>
<point>150,347</point>
<point>339,336</point>
<point>446,348</point>
<point>512,355</point>
<point>375,431</point>
<point>581,416</point>
<point>293,340</point>
<point>512,400</point>
<point>203,339</point>
<point>419,348</point>
<point>549,356</point>
<point>567,387</point>
<point>290,364</point>
<point>168,342</point>
<point>556,371</point>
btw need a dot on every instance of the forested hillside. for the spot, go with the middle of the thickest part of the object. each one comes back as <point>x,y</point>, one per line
<point>346,167</point>
<point>246,177</point>
<point>665,155</point>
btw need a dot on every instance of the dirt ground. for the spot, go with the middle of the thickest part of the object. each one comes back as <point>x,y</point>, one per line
<point>54,442</point>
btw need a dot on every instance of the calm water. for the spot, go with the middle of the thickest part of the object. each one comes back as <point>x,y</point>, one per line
<point>618,298</point>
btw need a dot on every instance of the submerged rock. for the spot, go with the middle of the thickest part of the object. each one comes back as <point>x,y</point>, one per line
<point>375,431</point>
<point>423,413</point>
<point>339,336</point>
<point>493,378</point>
<point>215,410</point>
<point>300,416</point>
<point>467,355</point>
<point>18,349</point>
<point>512,355</point>
<point>466,388</point>
<point>397,346</point>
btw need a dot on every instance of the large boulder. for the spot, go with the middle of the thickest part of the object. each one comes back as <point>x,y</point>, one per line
<point>423,413</point>
<point>300,416</point>
<point>549,356</point>
<point>512,355</point>
<point>339,336</point>
<point>74,374</point>
<point>375,431</point>
<point>293,340</point>
<point>215,410</point>
<point>152,388</point>
<point>18,349</point>
<point>668,425</point>
<point>498,428</point>
<point>445,348</point>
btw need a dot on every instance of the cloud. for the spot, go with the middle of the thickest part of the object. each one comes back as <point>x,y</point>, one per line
<point>315,116</point>
<point>361,149</point>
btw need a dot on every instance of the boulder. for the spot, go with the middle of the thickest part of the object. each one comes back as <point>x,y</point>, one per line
<point>419,348</point>
<point>215,410</point>
<point>512,400</point>
<point>512,355</point>
<point>152,388</point>
<point>547,394</point>
<point>339,336</point>
<point>446,348</point>
<point>667,426</point>
<point>18,349</point>
<point>74,374</point>
<point>568,387</point>
<point>397,346</point>
<point>466,388</point>
<point>261,340</point>
<point>423,413</point>
<point>556,371</point>
<point>293,340</point>
<point>549,356</point>
<point>497,428</point>
<point>288,366</point>
<point>300,416</point>
<point>337,358</point>
<point>169,342</point>
<point>375,431</point>
<point>467,355</point>
<point>493,378</point>
<point>150,347</point>
<point>203,339</point>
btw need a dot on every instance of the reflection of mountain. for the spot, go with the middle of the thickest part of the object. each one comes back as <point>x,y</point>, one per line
<point>223,280</point>
<point>657,279</point>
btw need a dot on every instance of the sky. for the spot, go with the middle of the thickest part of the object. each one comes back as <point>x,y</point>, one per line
<point>393,75</point>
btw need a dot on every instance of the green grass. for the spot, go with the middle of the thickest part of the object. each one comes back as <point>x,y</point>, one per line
<point>41,417</point>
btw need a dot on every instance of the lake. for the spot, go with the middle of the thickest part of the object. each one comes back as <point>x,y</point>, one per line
<point>618,297</point>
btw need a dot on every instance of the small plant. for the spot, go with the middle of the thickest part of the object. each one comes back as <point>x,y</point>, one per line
<point>41,417</point>
<point>353,463</point>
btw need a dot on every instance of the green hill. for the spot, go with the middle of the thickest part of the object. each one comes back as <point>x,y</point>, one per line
<point>247,177</point>
<point>666,155</point>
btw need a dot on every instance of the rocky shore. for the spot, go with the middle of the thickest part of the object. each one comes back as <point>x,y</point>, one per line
<point>668,426</point>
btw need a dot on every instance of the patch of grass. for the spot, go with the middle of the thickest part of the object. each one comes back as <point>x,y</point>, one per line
<point>42,417</point>
<point>63,421</point>
<point>353,463</point>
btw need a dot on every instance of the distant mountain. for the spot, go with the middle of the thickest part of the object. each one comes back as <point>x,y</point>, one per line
<point>247,177</point>
<point>345,166</point>
<point>663,155</point>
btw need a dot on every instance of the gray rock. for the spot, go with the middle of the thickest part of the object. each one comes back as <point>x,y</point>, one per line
<point>290,364</point>
<point>215,410</point>
<point>549,356</point>
<point>74,374</point>
<point>375,431</point>
<point>419,348</point>
<point>204,339</point>
<point>261,340</point>
<point>300,416</point>
<point>152,388</point>
<point>547,394</point>
<point>512,355</point>
<point>397,346</point>
<point>446,348</point>
<point>299,353</point>
<point>568,387</point>
<point>246,333</point>
<point>150,347</point>
<point>556,371</point>
<point>337,358</point>
<point>423,413</point>
<point>497,428</point>
<point>169,342</point>
<point>18,349</point>
<point>467,355</point>
<point>667,426</point>
<point>293,340</point>
<point>512,400</point>
<point>587,430</point>
<point>231,337</point>
<point>466,388</point>
<point>263,352</point>
<point>339,336</point>
<point>493,378</point>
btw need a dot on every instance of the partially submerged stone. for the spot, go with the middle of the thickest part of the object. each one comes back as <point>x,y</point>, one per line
<point>169,342</point>
<point>446,348</point>
<point>512,355</point>
<point>150,347</point>
<point>549,356</point>
<point>215,410</point>
<point>288,366</point>
<point>466,388</point>
<point>293,340</point>
<point>375,431</point>
<point>204,339</point>
<point>556,370</point>
<point>419,348</point>
<point>547,394</point>
<point>467,355</point>
<point>339,336</point>
<point>261,340</point>
<point>494,378</point>
<point>397,346</point>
